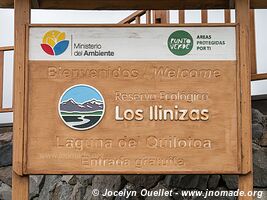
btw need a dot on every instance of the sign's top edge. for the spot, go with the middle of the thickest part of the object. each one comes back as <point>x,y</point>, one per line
<point>131,25</point>
<point>134,60</point>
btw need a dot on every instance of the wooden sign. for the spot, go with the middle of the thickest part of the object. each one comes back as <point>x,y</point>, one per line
<point>132,100</point>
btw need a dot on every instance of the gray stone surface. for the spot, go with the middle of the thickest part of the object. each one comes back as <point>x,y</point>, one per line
<point>6,175</point>
<point>159,187</point>
<point>257,117</point>
<point>147,181</point>
<point>61,191</point>
<point>5,192</point>
<point>260,166</point>
<point>78,192</point>
<point>70,179</point>
<point>203,182</point>
<point>187,181</point>
<point>213,181</point>
<point>5,137</point>
<point>215,196</point>
<point>261,195</point>
<point>6,155</point>
<point>5,129</point>
<point>88,193</point>
<point>263,140</point>
<point>131,188</point>
<point>85,180</point>
<point>173,181</point>
<point>36,184</point>
<point>178,195</point>
<point>5,149</point>
<point>107,182</point>
<point>257,132</point>
<point>49,186</point>
<point>231,181</point>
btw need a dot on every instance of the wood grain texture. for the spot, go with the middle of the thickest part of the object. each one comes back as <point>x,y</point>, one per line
<point>161,16</point>
<point>243,18</point>
<point>7,4</point>
<point>253,42</point>
<point>245,183</point>
<point>132,17</point>
<point>22,17</point>
<point>258,4</point>
<point>5,110</point>
<point>35,3</point>
<point>123,4</point>
<point>20,183</point>
<point>257,77</point>
<point>148,17</point>
<point>181,16</point>
<point>204,16</point>
<point>20,187</point>
<point>47,134</point>
<point>7,48</point>
<point>227,16</point>
<point>134,5</point>
<point>137,20</point>
<point>137,25</point>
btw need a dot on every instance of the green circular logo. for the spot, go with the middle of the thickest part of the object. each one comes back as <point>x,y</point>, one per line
<point>180,43</point>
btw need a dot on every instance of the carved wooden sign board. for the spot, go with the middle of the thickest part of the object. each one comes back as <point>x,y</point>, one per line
<point>113,99</point>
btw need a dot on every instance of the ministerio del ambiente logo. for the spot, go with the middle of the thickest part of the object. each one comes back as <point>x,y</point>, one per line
<point>54,43</point>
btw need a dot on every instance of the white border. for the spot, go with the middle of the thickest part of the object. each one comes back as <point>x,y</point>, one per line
<point>84,129</point>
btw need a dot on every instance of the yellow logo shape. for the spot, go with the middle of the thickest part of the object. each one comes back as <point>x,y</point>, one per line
<point>53,37</point>
<point>54,43</point>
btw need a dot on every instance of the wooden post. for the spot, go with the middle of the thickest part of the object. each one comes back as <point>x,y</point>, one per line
<point>148,17</point>
<point>253,42</point>
<point>20,187</point>
<point>137,20</point>
<point>227,16</point>
<point>181,16</point>
<point>161,16</point>
<point>22,18</point>
<point>204,16</point>
<point>242,18</point>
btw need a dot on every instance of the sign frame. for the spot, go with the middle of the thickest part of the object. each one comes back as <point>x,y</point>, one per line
<point>240,147</point>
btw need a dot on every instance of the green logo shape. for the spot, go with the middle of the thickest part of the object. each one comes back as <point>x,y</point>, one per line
<point>180,43</point>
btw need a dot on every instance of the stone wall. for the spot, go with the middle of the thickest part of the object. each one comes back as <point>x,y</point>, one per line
<point>80,187</point>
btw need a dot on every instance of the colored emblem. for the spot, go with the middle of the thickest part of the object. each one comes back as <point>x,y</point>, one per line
<point>81,107</point>
<point>54,43</point>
